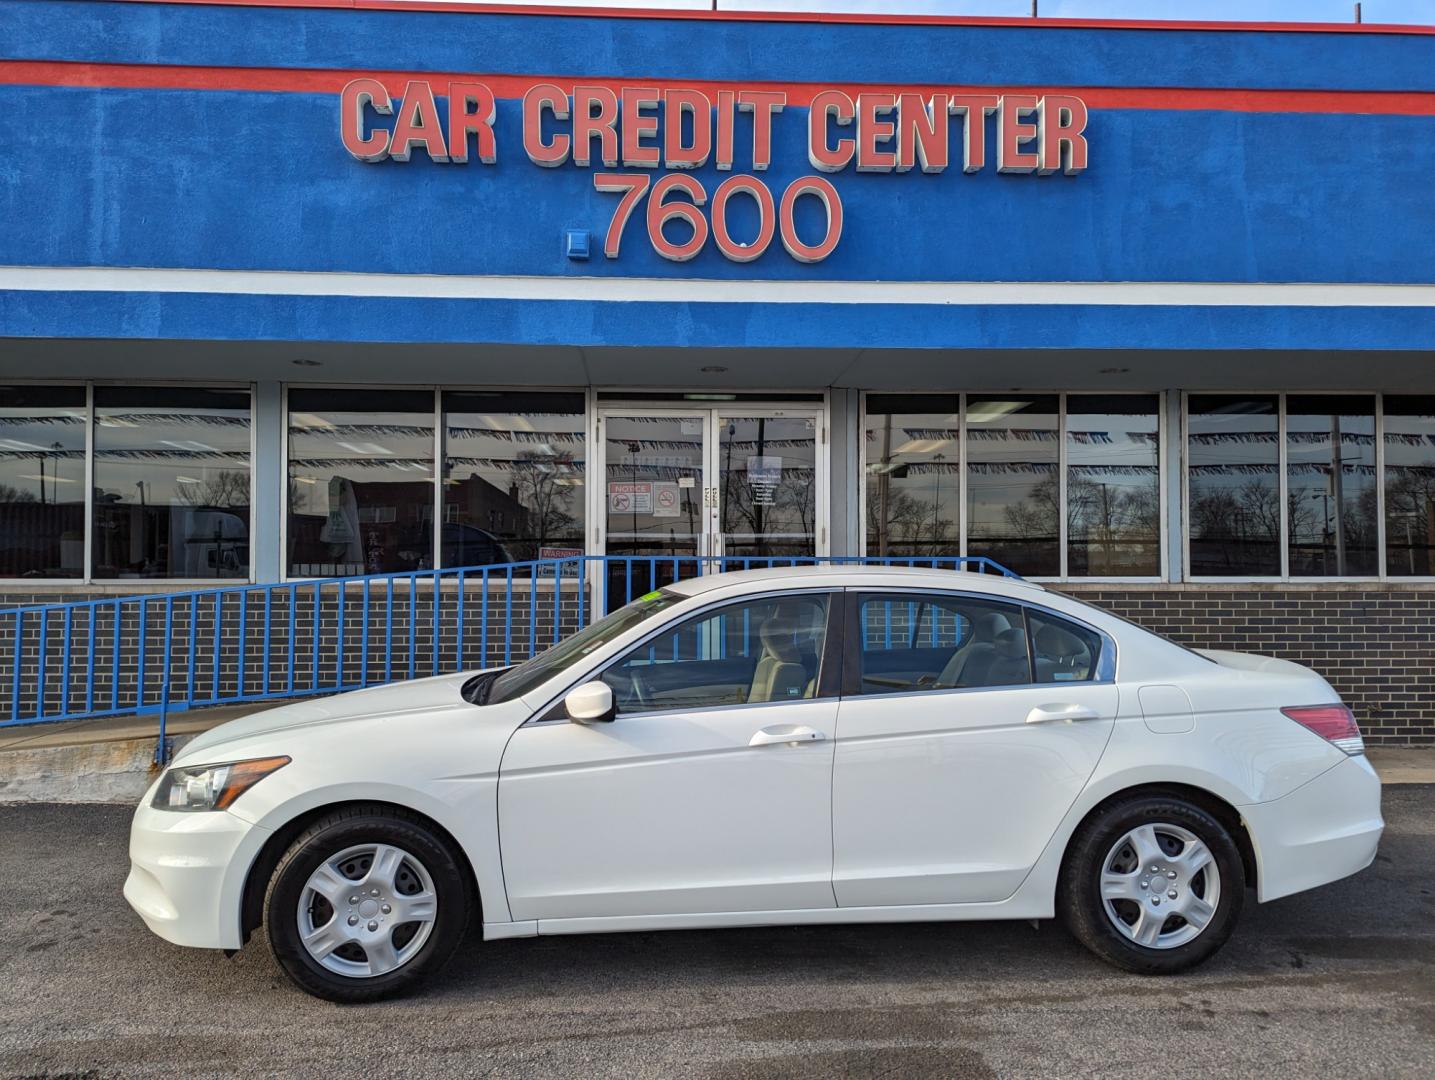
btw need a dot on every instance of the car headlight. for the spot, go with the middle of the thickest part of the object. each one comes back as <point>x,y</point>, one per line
<point>212,787</point>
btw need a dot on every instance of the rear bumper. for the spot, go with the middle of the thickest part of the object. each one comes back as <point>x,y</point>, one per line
<point>1323,831</point>
<point>187,874</point>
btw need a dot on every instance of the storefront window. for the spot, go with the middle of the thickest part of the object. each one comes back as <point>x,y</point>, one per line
<point>1113,485</point>
<point>171,480</point>
<point>1013,486</point>
<point>513,477</point>
<point>361,481</point>
<point>912,461</point>
<point>1330,485</point>
<point>1233,483</point>
<point>42,481</point>
<point>1409,485</point>
<point>913,465</point>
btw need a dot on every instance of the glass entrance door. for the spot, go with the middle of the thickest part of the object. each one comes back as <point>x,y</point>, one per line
<point>766,477</point>
<point>687,491</point>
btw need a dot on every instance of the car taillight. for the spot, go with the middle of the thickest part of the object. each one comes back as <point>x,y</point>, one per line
<point>1333,723</point>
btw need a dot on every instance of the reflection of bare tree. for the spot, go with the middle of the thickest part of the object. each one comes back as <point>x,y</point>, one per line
<point>1248,514</point>
<point>1107,514</point>
<point>792,509</point>
<point>1333,526</point>
<point>911,524</point>
<point>547,503</point>
<point>1111,527</point>
<point>10,494</point>
<point>1410,518</point>
<point>1359,520</point>
<point>227,487</point>
<point>1035,517</point>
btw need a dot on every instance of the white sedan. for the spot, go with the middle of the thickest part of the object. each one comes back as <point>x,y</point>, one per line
<point>815,745</point>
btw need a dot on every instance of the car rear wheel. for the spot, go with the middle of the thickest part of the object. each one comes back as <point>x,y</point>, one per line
<point>365,903</point>
<point>1152,884</point>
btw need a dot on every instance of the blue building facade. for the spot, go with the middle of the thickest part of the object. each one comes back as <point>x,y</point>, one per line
<point>301,290</point>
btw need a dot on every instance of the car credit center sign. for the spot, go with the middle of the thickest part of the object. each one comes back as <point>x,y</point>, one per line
<point>879,131</point>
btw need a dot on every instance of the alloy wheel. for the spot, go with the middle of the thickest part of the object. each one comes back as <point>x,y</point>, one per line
<point>1160,886</point>
<point>367,910</point>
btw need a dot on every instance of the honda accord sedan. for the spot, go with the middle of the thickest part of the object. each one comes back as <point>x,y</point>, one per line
<point>794,746</point>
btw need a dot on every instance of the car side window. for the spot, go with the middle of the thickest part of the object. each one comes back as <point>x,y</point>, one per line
<point>912,642</point>
<point>1061,650</point>
<point>757,651</point>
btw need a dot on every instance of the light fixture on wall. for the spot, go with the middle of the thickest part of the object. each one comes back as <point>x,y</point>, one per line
<point>1114,371</point>
<point>713,369</point>
<point>305,362</point>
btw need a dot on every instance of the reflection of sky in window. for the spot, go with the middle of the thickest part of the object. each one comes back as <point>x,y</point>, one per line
<point>1011,452</point>
<point>494,446</point>
<point>43,449</point>
<point>922,464</point>
<point>1118,453</point>
<point>160,456</point>
<point>1409,484</point>
<point>1409,440</point>
<point>363,447</point>
<point>1120,443</point>
<point>1229,450</point>
<point>1312,457</point>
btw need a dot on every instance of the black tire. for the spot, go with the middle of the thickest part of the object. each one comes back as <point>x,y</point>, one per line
<point>1083,909</point>
<point>350,828</point>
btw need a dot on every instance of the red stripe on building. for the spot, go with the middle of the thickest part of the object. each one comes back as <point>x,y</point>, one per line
<point>328,80</point>
<point>861,18</point>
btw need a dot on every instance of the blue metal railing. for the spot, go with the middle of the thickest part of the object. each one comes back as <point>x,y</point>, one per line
<point>171,652</point>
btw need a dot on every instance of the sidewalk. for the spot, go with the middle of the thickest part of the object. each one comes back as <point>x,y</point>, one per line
<point>117,728</point>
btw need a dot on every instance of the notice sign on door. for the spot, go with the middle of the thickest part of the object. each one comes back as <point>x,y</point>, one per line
<point>665,500</point>
<point>634,497</point>
<point>764,473</point>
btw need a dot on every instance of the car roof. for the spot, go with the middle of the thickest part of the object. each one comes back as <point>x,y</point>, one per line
<point>856,575</point>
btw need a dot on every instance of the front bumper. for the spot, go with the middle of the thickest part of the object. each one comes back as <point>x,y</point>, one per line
<point>187,874</point>
<point>1321,832</point>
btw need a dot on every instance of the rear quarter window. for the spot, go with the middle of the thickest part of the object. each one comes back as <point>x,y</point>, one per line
<point>1062,651</point>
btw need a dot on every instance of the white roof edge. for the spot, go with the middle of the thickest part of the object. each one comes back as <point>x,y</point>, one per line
<point>843,575</point>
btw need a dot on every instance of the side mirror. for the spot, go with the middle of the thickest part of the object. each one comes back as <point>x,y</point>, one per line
<point>591,703</point>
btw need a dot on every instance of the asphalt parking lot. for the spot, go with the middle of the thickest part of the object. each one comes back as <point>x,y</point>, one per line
<point>1337,982</point>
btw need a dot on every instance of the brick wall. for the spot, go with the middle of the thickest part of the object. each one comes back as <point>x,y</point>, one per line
<point>1374,643</point>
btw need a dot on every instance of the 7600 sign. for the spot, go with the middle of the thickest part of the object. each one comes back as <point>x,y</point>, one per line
<point>665,205</point>
<point>681,128</point>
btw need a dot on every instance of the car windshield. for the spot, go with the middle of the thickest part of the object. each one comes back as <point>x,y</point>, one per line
<point>523,678</point>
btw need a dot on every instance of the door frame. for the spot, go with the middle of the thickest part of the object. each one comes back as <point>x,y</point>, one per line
<point>711,415</point>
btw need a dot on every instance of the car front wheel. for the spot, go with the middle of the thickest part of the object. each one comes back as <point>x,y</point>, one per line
<point>365,903</point>
<point>1152,884</point>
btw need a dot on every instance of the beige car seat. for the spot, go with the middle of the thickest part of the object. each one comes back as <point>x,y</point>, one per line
<point>1010,665</point>
<point>780,675</point>
<point>968,665</point>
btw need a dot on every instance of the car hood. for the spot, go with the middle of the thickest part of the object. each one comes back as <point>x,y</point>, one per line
<point>429,696</point>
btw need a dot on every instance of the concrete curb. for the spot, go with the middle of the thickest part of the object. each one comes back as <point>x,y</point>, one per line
<point>115,771</point>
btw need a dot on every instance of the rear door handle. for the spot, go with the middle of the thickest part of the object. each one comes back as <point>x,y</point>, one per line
<point>1046,714</point>
<point>790,734</point>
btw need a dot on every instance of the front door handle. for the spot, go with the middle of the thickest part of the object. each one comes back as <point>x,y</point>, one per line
<point>791,734</point>
<point>1046,714</point>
